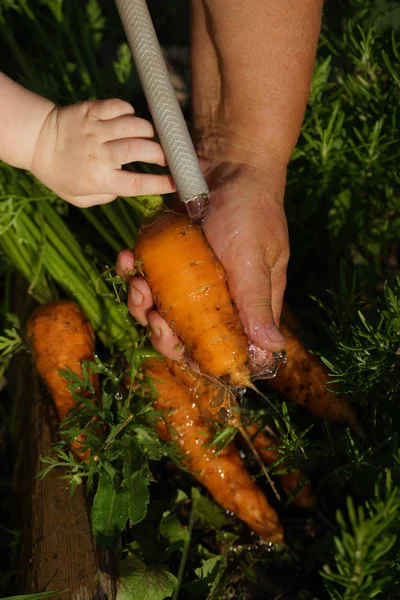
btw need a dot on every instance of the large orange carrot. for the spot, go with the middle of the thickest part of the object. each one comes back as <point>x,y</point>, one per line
<point>190,290</point>
<point>61,338</point>
<point>212,398</point>
<point>223,473</point>
<point>304,380</point>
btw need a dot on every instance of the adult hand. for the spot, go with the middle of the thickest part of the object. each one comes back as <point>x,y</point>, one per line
<point>246,227</point>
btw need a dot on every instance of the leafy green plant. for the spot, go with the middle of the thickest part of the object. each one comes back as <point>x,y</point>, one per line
<point>366,358</point>
<point>10,343</point>
<point>121,441</point>
<point>363,564</point>
<point>138,580</point>
<point>343,182</point>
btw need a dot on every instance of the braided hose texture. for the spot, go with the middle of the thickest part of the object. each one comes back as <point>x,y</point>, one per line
<point>161,98</point>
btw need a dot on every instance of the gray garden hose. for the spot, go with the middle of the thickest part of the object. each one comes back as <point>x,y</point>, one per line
<point>164,106</point>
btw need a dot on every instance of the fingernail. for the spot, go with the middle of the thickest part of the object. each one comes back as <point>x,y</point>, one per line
<point>156,331</point>
<point>136,297</point>
<point>269,334</point>
<point>273,334</point>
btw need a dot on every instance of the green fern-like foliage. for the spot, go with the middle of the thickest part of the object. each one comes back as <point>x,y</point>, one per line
<point>344,182</point>
<point>367,549</point>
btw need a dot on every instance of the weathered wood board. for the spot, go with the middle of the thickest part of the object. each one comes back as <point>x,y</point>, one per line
<point>58,551</point>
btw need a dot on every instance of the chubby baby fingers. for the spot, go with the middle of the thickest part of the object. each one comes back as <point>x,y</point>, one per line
<point>111,108</point>
<point>122,152</point>
<point>123,127</point>
<point>126,183</point>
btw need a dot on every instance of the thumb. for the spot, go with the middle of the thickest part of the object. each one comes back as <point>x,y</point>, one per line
<point>258,295</point>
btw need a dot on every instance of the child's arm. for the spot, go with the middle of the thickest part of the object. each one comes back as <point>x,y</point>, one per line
<point>22,114</point>
<point>78,150</point>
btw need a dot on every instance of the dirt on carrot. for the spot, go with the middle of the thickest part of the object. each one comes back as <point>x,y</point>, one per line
<point>217,404</point>
<point>304,380</point>
<point>61,338</point>
<point>190,290</point>
<point>222,473</point>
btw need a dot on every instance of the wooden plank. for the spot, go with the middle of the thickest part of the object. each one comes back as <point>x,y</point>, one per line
<point>58,552</point>
<point>62,555</point>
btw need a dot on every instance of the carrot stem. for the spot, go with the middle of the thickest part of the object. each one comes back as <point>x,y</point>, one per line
<point>263,468</point>
<point>39,265</point>
<point>60,270</point>
<point>112,325</point>
<point>21,258</point>
<point>110,239</point>
<point>22,60</point>
<point>186,546</point>
<point>117,431</point>
<point>127,216</point>
<point>63,239</point>
<point>88,45</point>
<point>119,225</point>
<point>83,70</point>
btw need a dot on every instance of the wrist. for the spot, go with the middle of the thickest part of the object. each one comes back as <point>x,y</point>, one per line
<point>43,109</point>
<point>219,143</point>
<point>22,115</point>
<point>226,154</point>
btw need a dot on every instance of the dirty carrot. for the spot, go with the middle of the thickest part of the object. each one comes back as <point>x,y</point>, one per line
<point>215,401</point>
<point>190,290</point>
<point>61,338</point>
<point>217,404</point>
<point>304,380</point>
<point>222,473</point>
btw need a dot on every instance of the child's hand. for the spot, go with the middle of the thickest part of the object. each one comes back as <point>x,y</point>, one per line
<point>80,150</point>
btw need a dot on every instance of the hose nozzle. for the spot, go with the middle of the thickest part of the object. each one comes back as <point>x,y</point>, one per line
<point>197,208</point>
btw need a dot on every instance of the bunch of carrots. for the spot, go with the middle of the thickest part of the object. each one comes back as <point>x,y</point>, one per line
<point>191,401</point>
